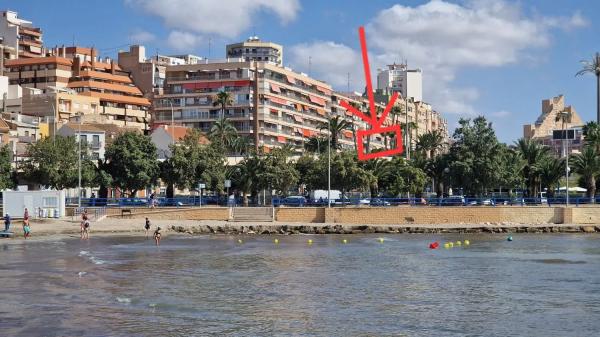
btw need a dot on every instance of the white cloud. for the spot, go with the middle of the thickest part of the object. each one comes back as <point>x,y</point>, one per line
<point>500,114</point>
<point>226,18</point>
<point>442,38</point>
<point>183,41</point>
<point>141,36</point>
<point>330,62</point>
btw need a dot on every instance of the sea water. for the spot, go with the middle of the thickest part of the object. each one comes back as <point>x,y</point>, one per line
<point>536,285</point>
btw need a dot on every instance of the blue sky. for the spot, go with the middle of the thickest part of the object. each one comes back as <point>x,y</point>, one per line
<point>496,58</point>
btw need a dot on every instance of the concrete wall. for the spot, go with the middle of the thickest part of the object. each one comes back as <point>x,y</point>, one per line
<point>300,214</point>
<point>197,213</point>
<point>390,215</point>
<point>444,215</point>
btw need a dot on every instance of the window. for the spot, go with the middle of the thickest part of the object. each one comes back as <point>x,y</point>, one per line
<point>26,133</point>
<point>96,139</point>
<point>82,138</point>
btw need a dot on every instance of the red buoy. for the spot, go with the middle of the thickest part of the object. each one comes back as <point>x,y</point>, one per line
<point>434,245</point>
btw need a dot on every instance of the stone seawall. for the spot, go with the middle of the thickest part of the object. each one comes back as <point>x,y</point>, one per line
<point>275,229</point>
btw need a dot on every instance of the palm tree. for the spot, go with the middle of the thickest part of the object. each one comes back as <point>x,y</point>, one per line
<point>242,145</point>
<point>533,153</point>
<point>245,176</point>
<point>379,169</point>
<point>222,99</point>
<point>437,169</point>
<point>591,132</point>
<point>407,128</point>
<point>587,164</point>
<point>316,144</point>
<point>223,132</point>
<point>336,126</point>
<point>430,142</point>
<point>551,170</point>
<point>594,68</point>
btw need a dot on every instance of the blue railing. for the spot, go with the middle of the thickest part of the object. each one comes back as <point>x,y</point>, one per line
<point>188,201</point>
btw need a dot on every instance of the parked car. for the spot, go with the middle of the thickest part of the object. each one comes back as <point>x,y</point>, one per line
<point>457,200</point>
<point>294,200</point>
<point>379,202</point>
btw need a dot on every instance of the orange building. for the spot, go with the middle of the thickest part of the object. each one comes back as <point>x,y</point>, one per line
<point>78,70</point>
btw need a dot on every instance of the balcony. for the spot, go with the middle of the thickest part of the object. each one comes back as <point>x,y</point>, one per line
<point>96,145</point>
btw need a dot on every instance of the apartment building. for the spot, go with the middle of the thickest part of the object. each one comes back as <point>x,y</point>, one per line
<point>91,137</point>
<point>254,49</point>
<point>76,70</point>
<point>398,78</point>
<point>290,106</point>
<point>20,39</point>
<point>547,124</point>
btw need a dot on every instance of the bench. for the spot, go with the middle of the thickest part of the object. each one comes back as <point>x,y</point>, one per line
<point>125,211</point>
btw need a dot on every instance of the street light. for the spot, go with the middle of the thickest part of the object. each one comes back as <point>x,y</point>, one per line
<point>79,136</point>
<point>172,122</point>
<point>329,164</point>
<point>53,120</point>
<point>564,115</point>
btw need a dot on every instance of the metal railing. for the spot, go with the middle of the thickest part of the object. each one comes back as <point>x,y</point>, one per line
<point>213,200</point>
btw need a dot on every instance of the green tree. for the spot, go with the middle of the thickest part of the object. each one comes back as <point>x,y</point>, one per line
<point>335,127</point>
<point>132,162</point>
<point>591,133</point>
<point>587,165</point>
<point>223,133</point>
<point>55,163</point>
<point>405,178</point>
<point>474,156</point>
<point>316,144</point>
<point>533,154</point>
<point>430,142</point>
<point>245,176</point>
<point>379,170</point>
<point>551,170</point>
<point>510,169</point>
<point>222,100</point>
<point>276,171</point>
<point>211,167</point>
<point>6,171</point>
<point>437,169</point>
<point>593,67</point>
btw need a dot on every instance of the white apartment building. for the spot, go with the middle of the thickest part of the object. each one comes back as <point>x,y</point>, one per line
<point>254,49</point>
<point>20,39</point>
<point>398,78</point>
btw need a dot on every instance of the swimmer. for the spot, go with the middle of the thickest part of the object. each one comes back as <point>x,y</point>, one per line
<point>147,227</point>
<point>86,234</point>
<point>157,236</point>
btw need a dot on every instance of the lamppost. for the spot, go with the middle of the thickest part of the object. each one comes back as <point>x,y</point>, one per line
<point>79,185</point>
<point>53,120</point>
<point>564,116</point>
<point>329,164</point>
<point>172,122</point>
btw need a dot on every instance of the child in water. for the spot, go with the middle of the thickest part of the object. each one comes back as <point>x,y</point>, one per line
<point>157,236</point>
<point>147,227</point>
<point>86,227</point>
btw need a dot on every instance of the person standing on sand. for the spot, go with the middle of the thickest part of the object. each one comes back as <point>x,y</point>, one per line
<point>6,222</point>
<point>157,236</point>
<point>26,216</point>
<point>147,227</point>
<point>26,229</point>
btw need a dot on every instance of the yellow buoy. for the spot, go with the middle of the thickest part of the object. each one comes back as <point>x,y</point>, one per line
<point>276,241</point>
<point>451,244</point>
<point>344,241</point>
<point>239,240</point>
<point>446,245</point>
<point>381,240</point>
<point>458,243</point>
<point>310,241</point>
<point>467,242</point>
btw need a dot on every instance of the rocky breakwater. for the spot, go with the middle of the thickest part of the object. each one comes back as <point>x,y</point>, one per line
<point>287,229</point>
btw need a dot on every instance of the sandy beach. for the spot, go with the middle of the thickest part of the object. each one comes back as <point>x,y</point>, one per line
<point>116,226</point>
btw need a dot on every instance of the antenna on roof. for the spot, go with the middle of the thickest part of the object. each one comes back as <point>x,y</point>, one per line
<point>209,40</point>
<point>309,64</point>
<point>348,81</point>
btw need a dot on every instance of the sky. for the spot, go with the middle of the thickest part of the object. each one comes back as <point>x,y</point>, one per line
<point>496,58</point>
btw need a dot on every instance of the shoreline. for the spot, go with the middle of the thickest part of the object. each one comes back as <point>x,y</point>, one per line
<point>46,229</point>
